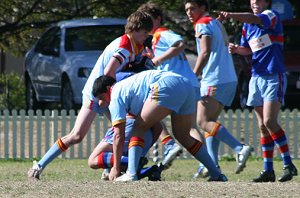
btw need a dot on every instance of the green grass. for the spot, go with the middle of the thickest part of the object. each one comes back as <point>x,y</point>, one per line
<point>181,170</point>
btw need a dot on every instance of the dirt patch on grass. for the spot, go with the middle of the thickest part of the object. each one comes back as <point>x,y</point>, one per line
<point>164,189</point>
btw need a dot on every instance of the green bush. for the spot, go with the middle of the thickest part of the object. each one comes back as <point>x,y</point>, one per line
<point>12,92</point>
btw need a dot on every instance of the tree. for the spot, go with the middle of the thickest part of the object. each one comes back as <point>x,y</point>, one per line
<point>21,21</point>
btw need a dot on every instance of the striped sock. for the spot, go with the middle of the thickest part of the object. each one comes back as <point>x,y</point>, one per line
<point>57,148</point>
<point>106,160</point>
<point>135,149</point>
<point>201,154</point>
<point>167,140</point>
<point>267,145</point>
<point>281,143</point>
<point>212,145</point>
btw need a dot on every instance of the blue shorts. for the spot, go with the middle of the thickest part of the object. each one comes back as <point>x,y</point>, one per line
<point>109,137</point>
<point>93,105</point>
<point>266,88</point>
<point>174,93</point>
<point>197,93</point>
<point>224,93</point>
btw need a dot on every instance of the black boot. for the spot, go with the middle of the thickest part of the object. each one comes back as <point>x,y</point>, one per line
<point>288,173</point>
<point>265,176</point>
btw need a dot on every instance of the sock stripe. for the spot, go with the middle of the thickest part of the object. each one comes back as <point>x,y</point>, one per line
<point>166,139</point>
<point>215,129</point>
<point>195,148</point>
<point>100,161</point>
<point>61,145</point>
<point>207,134</point>
<point>136,141</point>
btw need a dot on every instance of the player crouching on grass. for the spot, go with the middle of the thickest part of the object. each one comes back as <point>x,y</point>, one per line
<point>151,95</point>
<point>102,155</point>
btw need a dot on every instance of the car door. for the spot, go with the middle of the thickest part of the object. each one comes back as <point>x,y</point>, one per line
<point>48,66</point>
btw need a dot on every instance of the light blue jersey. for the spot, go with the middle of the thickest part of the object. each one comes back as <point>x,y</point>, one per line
<point>220,68</point>
<point>163,40</point>
<point>166,89</point>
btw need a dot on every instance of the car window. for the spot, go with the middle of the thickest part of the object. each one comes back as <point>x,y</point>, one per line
<point>88,38</point>
<point>291,38</point>
<point>49,41</point>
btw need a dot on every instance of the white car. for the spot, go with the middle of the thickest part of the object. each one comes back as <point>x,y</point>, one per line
<point>58,65</point>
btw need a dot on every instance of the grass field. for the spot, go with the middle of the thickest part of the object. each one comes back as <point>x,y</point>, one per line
<point>73,178</point>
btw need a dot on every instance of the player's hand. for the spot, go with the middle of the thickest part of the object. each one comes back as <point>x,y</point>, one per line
<point>149,53</point>
<point>155,61</point>
<point>113,174</point>
<point>232,48</point>
<point>223,15</point>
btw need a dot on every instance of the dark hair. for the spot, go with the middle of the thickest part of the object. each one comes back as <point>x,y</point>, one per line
<point>101,83</point>
<point>137,21</point>
<point>199,3</point>
<point>152,9</point>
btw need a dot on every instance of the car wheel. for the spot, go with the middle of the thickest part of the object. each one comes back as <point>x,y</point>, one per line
<point>67,96</point>
<point>31,101</point>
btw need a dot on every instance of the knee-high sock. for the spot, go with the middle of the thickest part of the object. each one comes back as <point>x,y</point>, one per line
<point>281,143</point>
<point>267,145</point>
<point>136,146</point>
<point>212,145</point>
<point>148,142</point>
<point>222,134</point>
<point>200,153</point>
<point>106,160</point>
<point>57,148</point>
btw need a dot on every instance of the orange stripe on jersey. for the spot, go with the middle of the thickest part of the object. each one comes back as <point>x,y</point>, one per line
<point>156,36</point>
<point>138,48</point>
<point>118,122</point>
<point>195,148</point>
<point>136,141</point>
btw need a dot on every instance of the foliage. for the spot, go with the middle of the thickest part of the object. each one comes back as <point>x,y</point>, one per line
<point>12,92</point>
<point>21,22</point>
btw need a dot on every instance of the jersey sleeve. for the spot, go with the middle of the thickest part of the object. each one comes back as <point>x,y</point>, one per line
<point>202,29</point>
<point>268,19</point>
<point>117,109</point>
<point>124,50</point>
<point>170,38</point>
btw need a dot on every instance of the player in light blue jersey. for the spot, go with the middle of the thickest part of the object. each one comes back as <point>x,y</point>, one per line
<point>151,96</point>
<point>116,56</point>
<point>262,36</point>
<point>218,81</point>
<point>168,48</point>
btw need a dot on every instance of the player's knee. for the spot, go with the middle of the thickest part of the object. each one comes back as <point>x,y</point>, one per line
<point>76,138</point>
<point>92,163</point>
<point>270,123</point>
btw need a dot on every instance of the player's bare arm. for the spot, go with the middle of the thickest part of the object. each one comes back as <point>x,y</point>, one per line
<point>112,67</point>
<point>203,57</point>
<point>236,49</point>
<point>244,17</point>
<point>119,138</point>
<point>174,50</point>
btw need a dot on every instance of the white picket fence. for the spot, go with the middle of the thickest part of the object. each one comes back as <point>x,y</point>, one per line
<point>27,135</point>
